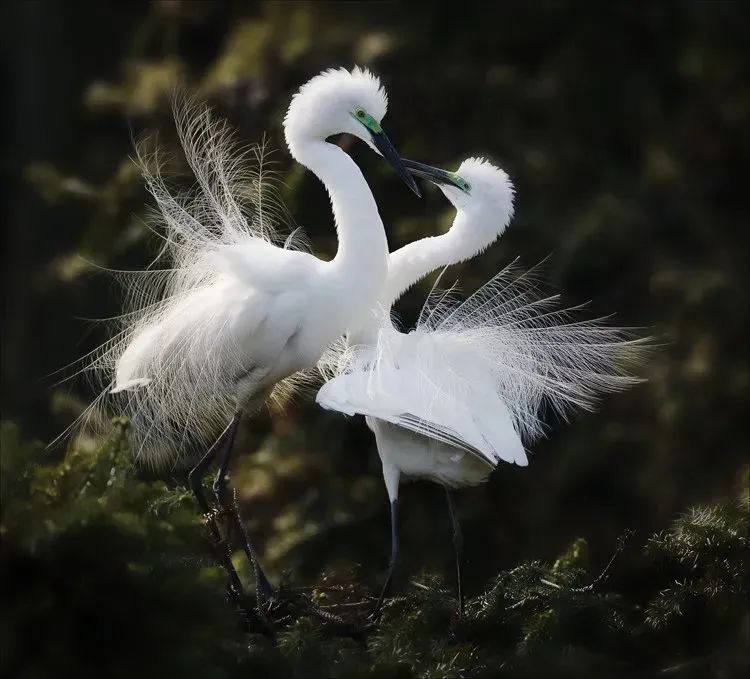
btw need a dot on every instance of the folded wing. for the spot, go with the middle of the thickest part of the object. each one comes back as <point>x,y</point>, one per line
<point>409,381</point>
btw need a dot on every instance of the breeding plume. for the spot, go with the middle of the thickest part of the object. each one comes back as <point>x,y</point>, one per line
<point>466,389</point>
<point>237,310</point>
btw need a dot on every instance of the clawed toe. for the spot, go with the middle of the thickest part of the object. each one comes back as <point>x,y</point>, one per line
<point>282,606</point>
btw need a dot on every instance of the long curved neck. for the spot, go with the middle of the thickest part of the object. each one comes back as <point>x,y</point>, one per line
<point>411,263</point>
<point>362,257</point>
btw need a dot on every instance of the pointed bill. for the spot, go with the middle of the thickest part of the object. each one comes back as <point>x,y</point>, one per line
<point>436,175</point>
<point>384,145</point>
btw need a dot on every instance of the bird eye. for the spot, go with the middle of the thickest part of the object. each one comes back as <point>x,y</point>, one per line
<point>360,113</point>
<point>467,186</point>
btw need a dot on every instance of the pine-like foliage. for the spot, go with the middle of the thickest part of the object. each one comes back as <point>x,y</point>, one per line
<point>704,555</point>
<point>110,573</point>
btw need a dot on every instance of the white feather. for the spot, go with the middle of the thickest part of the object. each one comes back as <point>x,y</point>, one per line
<point>486,369</point>
<point>177,366</point>
<point>472,382</point>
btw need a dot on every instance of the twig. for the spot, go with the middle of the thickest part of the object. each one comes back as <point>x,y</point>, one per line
<point>424,587</point>
<point>350,604</point>
<point>603,575</point>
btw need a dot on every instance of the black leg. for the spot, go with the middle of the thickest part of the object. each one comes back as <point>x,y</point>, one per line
<point>226,502</point>
<point>394,554</point>
<point>458,547</point>
<point>195,478</point>
<point>221,481</point>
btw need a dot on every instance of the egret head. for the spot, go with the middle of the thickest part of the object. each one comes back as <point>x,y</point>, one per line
<point>477,187</point>
<point>340,101</point>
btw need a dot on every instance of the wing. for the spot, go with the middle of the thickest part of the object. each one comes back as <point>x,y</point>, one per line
<point>182,375</point>
<point>400,382</point>
<point>219,309</point>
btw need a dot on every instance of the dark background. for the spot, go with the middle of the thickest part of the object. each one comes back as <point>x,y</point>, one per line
<point>624,127</point>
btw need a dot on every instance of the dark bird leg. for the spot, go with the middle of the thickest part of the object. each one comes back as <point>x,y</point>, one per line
<point>458,547</point>
<point>227,503</point>
<point>269,601</point>
<point>394,555</point>
<point>195,478</point>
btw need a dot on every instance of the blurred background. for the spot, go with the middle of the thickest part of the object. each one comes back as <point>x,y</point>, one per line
<point>625,130</point>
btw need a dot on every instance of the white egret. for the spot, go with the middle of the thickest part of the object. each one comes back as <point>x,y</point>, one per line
<point>465,390</point>
<point>236,312</point>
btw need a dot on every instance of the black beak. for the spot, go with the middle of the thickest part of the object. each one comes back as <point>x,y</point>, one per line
<point>435,175</point>
<point>383,144</point>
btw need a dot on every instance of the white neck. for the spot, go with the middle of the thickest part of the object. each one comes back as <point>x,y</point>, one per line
<point>362,256</point>
<point>411,263</point>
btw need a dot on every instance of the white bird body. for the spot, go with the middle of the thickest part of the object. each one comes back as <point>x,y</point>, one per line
<point>261,315</point>
<point>425,387</point>
<point>472,376</point>
<point>402,454</point>
<point>433,406</point>
<point>237,313</point>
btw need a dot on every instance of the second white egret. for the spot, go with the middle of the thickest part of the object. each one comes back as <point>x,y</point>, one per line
<point>464,391</point>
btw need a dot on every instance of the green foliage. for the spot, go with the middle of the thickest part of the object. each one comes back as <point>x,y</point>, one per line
<point>109,570</point>
<point>100,570</point>
<point>706,550</point>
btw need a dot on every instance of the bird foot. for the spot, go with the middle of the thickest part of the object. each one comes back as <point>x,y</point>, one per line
<point>285,605</point>
<point>253,622</point>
